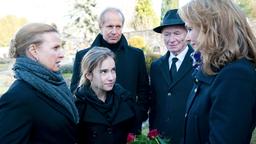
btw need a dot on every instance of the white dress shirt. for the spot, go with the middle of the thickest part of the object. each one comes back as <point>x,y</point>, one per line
<point>180,57</point>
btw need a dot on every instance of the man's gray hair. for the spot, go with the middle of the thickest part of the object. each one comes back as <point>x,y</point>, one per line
<point>112,9</point>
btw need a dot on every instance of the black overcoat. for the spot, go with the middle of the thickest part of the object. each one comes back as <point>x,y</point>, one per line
<point>29,117</point>
<point>221,109</point>
<point>95,126</point>
<point>169,97</point>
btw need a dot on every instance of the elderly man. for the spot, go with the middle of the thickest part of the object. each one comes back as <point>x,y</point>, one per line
<point>171,79</point>
<point>130,62</point>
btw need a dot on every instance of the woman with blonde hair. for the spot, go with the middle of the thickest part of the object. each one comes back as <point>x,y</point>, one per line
<point>38,107</point>
<point>107,110</point>
<point>221,107</point>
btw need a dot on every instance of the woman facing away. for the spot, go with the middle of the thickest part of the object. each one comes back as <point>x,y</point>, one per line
<point>221,108</point>
<point>106,109</point>
<point>38,107</point>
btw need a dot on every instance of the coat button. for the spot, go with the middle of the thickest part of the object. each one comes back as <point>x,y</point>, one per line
<point>195,90</point>
<point>94,134</point>
<point>109,131</point>
<point>196,80</point>
<point>169,94</point>
<point>186,115</point>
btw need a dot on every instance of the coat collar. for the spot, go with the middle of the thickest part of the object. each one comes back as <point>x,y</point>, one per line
<point>199,78</point>
<point>92,114</point>
<point>184,68</point>
<point>164,67</point>
<point>99,38</point>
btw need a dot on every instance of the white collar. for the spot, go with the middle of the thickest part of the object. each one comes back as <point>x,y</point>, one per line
<point>180,57</point>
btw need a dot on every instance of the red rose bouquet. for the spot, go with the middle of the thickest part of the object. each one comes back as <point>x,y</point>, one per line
<point>153,137</point>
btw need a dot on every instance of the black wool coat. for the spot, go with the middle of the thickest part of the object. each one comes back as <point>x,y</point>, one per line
<point>29,117</point>
<point>221,108</point>
<point>130,70</point>
<point>96,128</point>
<point>169,98</point>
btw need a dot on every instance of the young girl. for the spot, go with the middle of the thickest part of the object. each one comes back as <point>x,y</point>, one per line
<point>106,109</point>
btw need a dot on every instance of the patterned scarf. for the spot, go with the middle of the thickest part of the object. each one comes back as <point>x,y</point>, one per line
<point>47,82</point>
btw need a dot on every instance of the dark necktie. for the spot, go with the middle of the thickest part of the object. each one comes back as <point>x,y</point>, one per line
<point>173,70</point>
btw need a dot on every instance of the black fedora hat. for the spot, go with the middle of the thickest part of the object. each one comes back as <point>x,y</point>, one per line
<point>171,18</point>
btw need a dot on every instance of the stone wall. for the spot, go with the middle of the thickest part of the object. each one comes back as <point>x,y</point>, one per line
<point>154,40</point>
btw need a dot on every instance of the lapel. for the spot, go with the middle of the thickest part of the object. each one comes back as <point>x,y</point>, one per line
<point>93,116</point>
<point>200,78</point>
<point>56,106</point>
<point>124,113</point>
<point>185,67</point>
<point>164,68</point>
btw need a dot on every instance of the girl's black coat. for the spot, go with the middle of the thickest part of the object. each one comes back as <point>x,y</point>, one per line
<point>94,128</point>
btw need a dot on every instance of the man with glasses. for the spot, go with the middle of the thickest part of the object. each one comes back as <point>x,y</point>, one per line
<point>130,62</point>
<point>171,79</point>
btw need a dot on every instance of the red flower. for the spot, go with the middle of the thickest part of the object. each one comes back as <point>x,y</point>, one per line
<point>130,137</point>
<point>153,133</point>
<point>153,137</point>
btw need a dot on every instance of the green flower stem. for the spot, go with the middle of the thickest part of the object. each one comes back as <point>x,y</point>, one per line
<point>157,141</point>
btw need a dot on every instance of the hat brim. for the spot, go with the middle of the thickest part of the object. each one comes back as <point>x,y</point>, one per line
<point>160,28</point>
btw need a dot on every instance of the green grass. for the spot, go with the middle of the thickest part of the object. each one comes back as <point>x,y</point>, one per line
<point>3,83</point>
<point>253,140</point>
<point>4,66</point>
<point>67,75</point>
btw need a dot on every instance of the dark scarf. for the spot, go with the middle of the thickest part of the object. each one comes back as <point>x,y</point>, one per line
<point>47,82</point>
<point>99,41</point>
<point>108,108</point>
<point>113,47</point>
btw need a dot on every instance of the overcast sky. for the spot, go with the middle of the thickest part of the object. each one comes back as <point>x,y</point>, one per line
<point>56,11</point>
<point>35,10</point>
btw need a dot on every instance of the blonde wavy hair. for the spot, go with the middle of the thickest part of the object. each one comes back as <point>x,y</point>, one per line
<point>224,33</point>
<point>94,57</point>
